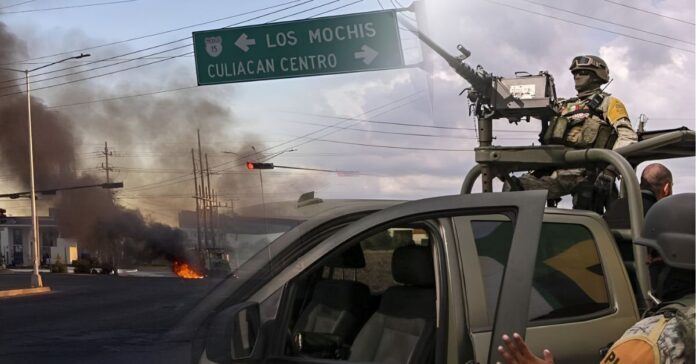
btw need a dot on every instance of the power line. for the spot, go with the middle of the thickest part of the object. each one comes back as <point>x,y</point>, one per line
<point>93,68</point>
<point>67,7</point>
<point>164,32</point>
<point>149,48</point>
<point>608,22</point>
<point>13,5</point>
<point>154,62</point>
<point>404,133</point>
<point>303,11</point>
<point>83,63</point>
<point>92,77</point>
<point>334,9</point>
<point>348,118</point>
<point>649,12</point>
<point>121,97</point>
<point>127,54</point>
<point>672,119</point>
<point>188,177</point>
<point>392,146</point>
<point>588,26</point>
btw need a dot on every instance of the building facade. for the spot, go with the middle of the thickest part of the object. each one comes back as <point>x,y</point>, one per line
<point>16,239</point>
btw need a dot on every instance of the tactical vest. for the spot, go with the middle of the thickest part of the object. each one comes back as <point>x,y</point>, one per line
<point>581,124</point>
<point>641,343</point>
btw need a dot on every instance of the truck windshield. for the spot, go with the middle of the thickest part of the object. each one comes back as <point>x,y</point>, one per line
<point>249,235</point>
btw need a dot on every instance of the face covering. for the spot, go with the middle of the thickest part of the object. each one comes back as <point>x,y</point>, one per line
<point>585,84</point>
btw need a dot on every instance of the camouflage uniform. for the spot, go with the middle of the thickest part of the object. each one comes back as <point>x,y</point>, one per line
<point>665,338</point>
<point>577,110</point>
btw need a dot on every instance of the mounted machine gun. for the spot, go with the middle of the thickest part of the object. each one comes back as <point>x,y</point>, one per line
<point>524,96</point>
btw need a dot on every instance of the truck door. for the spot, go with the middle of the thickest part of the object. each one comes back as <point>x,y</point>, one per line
<point>397,327</point>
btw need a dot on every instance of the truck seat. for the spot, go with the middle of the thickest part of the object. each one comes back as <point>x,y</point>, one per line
<point>338,307</point>
<point>403,328</point>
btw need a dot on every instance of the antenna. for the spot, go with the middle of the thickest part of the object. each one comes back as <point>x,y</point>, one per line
<point>607,85</point>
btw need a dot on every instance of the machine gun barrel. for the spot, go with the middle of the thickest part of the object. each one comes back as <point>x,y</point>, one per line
<point>480,81</point>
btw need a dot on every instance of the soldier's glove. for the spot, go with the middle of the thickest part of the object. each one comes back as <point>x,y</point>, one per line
<point>610,171</point>
<point>604,182</point>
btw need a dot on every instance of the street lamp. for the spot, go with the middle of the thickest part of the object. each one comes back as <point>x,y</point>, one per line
<point>35,276</point>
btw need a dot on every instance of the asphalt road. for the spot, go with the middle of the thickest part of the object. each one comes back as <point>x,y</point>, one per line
<point>89,317</point>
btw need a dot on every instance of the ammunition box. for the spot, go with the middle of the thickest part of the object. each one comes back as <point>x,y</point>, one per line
<point>522,96</point>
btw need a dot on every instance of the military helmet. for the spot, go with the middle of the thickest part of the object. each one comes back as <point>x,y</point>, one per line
<point>669,229</point>
<point>591,63</point>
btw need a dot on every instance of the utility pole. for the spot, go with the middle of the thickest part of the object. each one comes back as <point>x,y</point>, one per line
<point>106,165</point>
<point>198,203</point>
<point>216,216</point>
<point>200,163</point>
<point>642,120</point>
<point>210,201</point>
<point>36,281</point>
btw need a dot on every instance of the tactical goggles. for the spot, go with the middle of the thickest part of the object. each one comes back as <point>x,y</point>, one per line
<point>583,61</point>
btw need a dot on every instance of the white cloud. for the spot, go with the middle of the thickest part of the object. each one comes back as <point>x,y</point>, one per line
<point>617,57</point>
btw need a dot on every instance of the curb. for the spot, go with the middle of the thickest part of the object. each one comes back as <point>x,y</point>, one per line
<point>24,292</point>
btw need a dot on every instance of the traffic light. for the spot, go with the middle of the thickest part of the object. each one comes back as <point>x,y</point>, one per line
<point>112,185</point>
<point>252,165</point>
<point>3,216</point>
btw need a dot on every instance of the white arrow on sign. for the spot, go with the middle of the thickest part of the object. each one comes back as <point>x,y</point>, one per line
<point>243,42</point>
<point>367,54</point>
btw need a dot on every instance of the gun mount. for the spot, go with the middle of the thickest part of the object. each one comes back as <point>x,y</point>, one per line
<point>524,96</point>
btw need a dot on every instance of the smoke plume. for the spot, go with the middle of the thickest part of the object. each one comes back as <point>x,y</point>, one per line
<point>155,132</point>
<point>107,230</point>
<point>150,140</point>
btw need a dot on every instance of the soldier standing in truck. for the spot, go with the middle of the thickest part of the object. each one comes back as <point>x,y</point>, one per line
<point>592,119</point>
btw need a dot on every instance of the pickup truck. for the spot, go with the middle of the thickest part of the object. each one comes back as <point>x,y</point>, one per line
<point>439,280</point>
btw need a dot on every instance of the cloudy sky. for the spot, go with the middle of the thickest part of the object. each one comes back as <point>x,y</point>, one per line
<point>137,91</point>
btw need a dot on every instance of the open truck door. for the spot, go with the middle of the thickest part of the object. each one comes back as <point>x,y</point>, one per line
<point>443,337</point>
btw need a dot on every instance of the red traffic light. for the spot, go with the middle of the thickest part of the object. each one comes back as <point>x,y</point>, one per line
<point>252,165</point>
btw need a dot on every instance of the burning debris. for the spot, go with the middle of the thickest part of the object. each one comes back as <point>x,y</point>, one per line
<point>185,271</point>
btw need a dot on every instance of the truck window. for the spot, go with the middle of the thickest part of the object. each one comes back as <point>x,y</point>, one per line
<point>386,282</point>
<point>568,279</point>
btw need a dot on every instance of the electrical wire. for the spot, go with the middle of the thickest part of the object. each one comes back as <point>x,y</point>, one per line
<point>146,49</point>
<point>67,7</point>
<point>13,5</point>
<point>400,124</point>
<point>391,146</point>
<point>162,32</point>
<point>649,12</point>
<point>242,159</point>
<point>334,9</point>
<point>459,137</point>
<point>302,11</point>
<point>145,64</point>
<point>588,26</point>
<point>608,22</point>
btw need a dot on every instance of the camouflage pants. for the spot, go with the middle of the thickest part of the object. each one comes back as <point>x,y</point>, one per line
<point>560,183</point>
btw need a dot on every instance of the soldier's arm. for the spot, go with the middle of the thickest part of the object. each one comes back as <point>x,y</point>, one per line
<point>617,115</point>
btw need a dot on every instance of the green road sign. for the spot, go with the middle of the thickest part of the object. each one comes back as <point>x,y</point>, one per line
<point>337,44</point>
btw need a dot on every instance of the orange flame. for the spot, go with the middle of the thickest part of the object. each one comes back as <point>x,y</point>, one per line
<point>184,270</point>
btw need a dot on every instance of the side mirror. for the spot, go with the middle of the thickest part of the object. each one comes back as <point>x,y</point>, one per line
<point>233,333</point>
